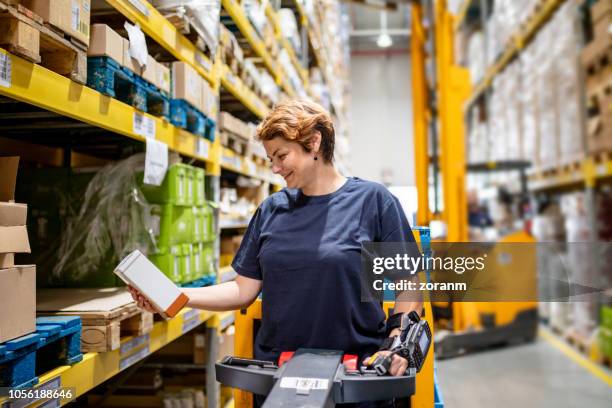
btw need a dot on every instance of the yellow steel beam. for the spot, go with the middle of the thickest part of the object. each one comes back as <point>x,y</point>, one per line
<point>273,17</point>
<point>241,92</point>
<point>95,368</point>
<point>39,86</point>
<point>237,14</point>
<point>163,32</point>
<point>453,88</point>
<point>520,40</point>
<point>420,117</point>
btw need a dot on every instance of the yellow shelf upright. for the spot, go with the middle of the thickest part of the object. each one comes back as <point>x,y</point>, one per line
<point>453,88</point>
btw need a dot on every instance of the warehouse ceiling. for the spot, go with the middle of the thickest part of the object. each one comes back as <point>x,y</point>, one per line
<point>366,24</point>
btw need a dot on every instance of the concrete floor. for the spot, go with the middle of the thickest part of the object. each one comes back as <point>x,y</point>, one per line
<point>531,375</point>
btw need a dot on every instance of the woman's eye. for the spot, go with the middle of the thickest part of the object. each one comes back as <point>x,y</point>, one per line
<point>282,156</point>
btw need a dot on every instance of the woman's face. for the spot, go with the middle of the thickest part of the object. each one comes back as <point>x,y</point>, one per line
<point>290,160</point>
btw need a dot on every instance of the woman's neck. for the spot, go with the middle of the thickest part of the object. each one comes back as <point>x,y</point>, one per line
<point>326,180</point>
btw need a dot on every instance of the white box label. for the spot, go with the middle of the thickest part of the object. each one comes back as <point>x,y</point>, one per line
<point>144,125</point>
<point>6,67</point>
<point>202,148</point>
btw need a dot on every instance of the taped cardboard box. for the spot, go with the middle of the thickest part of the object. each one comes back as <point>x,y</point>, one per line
<point>163,77</point>
<point>105,42</point>
<point>186,84</point>
<point>149,72</point>
<point>13,216</point>
<point>17,302</point>
<point>129,62</point>
<point>70,16</point>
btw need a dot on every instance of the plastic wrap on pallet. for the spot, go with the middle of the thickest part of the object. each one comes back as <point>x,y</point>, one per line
<point>476,56</point>
<point>203,14</point>
<point>513,112</point>
<point>256,13</point>
<point>114,219</point>
<point>498,121</point>
<point>478,139</point>
<point>289,28</point>
<point>529,104</point>
<point>269,87</point>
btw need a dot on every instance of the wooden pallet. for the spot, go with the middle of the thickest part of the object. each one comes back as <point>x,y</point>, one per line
<point>28,37</point>
<point>233,142</point>
<point>578,340</point>
<point>106,314</point>
<point>185,25</point>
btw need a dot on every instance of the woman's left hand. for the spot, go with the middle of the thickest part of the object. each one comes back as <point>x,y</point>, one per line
<point>399,365</point>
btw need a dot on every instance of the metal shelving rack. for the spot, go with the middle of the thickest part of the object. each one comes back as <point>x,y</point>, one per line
<point>35,85</point>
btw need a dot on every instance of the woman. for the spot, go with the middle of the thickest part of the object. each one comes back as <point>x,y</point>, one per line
<point>302,246</point>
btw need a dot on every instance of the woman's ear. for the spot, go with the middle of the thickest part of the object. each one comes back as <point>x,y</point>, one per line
<point>315,142</point>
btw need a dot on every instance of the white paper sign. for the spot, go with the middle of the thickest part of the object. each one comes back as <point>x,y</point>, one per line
<point>144,125</point>
<point>138,44</point>
<point>5,69</point>
<point>304,383</point>
<point>156,162</point>
<point>202,148</point>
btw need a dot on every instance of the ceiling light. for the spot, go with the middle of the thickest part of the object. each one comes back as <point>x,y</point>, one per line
<point>384,40</point>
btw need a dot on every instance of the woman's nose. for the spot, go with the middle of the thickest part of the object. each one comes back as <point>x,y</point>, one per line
<point>275,169</point>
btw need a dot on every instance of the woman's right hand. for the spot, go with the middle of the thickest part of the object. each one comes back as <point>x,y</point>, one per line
<point>141,300</point>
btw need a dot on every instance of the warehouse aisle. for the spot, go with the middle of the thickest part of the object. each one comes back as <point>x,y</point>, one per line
<point>532,375</point>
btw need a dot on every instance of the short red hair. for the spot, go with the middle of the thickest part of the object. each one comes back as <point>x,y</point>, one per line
<point>297,121</point>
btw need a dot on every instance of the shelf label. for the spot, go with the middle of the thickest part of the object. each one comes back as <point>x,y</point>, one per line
<point>202,148</point>
<point>132,344</point>
<point>144,125</point>
<point>128,361</point>
<point>139,5</point>
<point>250,166</point>
<point>231,161</point>
<point>191,323</point>
<point>6,66</point>
<point>205,63</point>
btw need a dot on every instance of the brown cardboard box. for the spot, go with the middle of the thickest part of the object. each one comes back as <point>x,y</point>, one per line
<point>209,100</point>
<point>129,62</point>
<point>13,216</point>
<point>163,77</point>
<point>70,16</point>
<point>149,73</point>
<point>226,343</point>
<point>17,302</point>
<point>186,84</point>
<point>105,42</point>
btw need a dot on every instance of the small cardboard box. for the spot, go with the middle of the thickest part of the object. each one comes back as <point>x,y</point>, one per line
<point>17,302</point>
<point>136,270</point>
<point>129,62</point>
<point>70,16</point>
<point>163,77</point>
<point>13,216</point>
<point>105,42</point>
<point>186,84</point>
<point>149,73</point>
<point>209,100</point>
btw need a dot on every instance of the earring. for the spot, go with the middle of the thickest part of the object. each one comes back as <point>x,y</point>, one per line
<point>316,158</point>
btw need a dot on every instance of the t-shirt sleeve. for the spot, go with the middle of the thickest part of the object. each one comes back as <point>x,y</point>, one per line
<point>246,260</point>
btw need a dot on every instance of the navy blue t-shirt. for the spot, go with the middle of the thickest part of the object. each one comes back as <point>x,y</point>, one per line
<point>306,252</point>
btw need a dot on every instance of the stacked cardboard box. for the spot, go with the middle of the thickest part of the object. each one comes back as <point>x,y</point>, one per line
<point>70,16</point>
<point>105,42</point>
<point>597,64</point>
<point>230,123</point>
<point>17,282</point>
<point>188,85</point>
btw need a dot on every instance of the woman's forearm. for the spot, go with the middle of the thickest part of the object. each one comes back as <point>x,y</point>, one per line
<point>219,298</point>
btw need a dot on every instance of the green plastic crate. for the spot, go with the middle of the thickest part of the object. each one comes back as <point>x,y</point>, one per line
<point>606,317</point>
<point>198,225</point>
<point>175,225</point>
<point>208,218</point>
<point>187,263</point>
<point>168,261</point>
<point>208,258</point>
<point>198,260</point>
<point>190,178</point>
<point>199,193</point>
<point>605,341</point>
<point>175,189</point>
